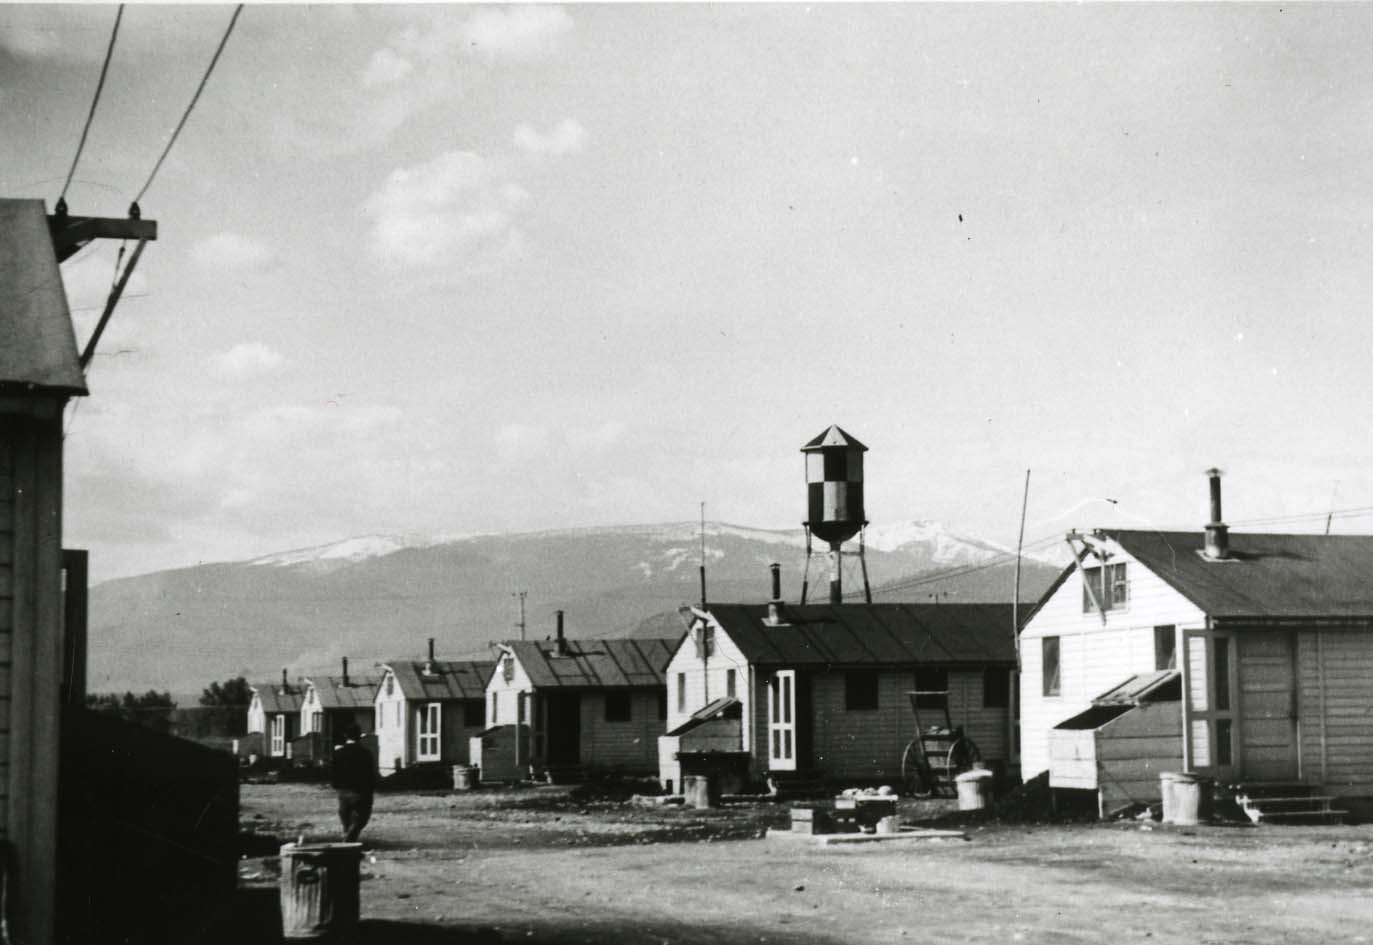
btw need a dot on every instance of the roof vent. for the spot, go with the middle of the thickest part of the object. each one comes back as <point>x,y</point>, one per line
<point>776,614</point>
<point>1217,546</point>
<point>429,663</point>
<point>560,640</point>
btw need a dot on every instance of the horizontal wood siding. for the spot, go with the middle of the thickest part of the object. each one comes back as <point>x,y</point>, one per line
<point>1072,759</point>
<point>7,615</point>
<point>1092,657</point>
<point>630,746</point>
<point>1134,749</point>
<point>1335,709</point>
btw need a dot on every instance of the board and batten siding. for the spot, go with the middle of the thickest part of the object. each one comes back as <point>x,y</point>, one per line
<point>707,680</point>
<point>631,747</point>
<point>867,744</point>
<point>1335,709</point>
<point>1093,657</point>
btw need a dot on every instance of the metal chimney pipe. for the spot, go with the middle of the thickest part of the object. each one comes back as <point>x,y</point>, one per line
<point>285,685</point>
<point>775,605</point>
<point>1217,544</point>
<point>431,649</point>
<point>345,670</point>
<point>559,638</point>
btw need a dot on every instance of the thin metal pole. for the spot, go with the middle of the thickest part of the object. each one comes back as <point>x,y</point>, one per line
<point>1019,547</point>
<point>521,595</point>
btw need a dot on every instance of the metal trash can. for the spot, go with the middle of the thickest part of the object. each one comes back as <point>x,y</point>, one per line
<point>1187,797</point>
<point>465,777</point>
<point>701,790</point>
<point>319,889</point>
<point>974,789</point>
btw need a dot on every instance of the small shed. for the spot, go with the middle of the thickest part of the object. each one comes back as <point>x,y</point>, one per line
<point>1121,744</point>
<point>427,711</point>
<point>709,742</point>
<point>329,705</point>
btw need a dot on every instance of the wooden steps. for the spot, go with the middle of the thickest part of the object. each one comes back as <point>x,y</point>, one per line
<point>1285,802</point>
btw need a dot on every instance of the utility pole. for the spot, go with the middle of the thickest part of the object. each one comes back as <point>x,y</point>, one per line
<point>521,595</point>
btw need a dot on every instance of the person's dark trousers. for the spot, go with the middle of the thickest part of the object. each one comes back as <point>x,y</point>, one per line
<point>354,810</point>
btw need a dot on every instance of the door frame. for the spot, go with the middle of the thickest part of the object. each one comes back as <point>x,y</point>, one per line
<point>782,741</point>
<point>1223,722</point>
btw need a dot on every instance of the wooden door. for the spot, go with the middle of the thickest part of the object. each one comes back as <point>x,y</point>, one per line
<point>782,721</point>
<point>564,728</point>
<point>1268,718</point>
<point>1211,688</point>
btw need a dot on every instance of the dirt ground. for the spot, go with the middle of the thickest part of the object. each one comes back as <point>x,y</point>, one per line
<point>543,865</point>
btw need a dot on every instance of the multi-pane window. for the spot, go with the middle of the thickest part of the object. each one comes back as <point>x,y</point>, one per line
<point>860,690</point>
<point>278,735</point>
<point>681,692</point>
<point>729,683</point>
<point>1049,668</point>
<point>1165,647</point>
<point>428,746</point>
<point>1109,584</point>
<point>618,707</point>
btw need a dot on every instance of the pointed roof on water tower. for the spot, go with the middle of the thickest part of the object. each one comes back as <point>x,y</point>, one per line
<point>834,436</point>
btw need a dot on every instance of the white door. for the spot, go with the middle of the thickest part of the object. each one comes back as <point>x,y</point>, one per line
<point>428,748</point>
<point>782,721</point>
<point>1211,685</point>
<point>278,736</point>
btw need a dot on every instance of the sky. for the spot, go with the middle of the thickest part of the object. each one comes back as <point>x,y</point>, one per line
<point>453,269</point>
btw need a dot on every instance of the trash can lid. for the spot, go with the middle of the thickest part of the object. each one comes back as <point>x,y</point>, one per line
<point>976,774</point>
<point>320,849</point>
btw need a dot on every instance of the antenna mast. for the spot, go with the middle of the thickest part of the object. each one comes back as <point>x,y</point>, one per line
<point>703,556</point>
<point>1019,545</point>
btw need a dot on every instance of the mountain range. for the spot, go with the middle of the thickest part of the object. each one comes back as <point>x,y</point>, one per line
<point>380,597</point>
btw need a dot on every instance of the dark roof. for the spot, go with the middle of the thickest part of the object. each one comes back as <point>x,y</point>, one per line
<point>715,709</point>
<point>450,679</point>
<point>833,436</point>
<point>1164,685</point>
<point>1266,576</point>
<point>333,694</point>
<point>861,634</point>
<point>37,344</point>
<point>275,699</point>
<point>595,664</point>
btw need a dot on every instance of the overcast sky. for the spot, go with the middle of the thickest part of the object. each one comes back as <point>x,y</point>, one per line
<point>455,269</point>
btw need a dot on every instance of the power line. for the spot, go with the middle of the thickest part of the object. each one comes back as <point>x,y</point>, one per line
<point>191,107</point>
<point>99,86</point>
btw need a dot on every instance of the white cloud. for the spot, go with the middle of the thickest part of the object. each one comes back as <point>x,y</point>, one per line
<point>566,137</point>
<point>386,66</point>
<point>230,251</point>
<point>457,210</point>
<point>250,359</point>
<point>520,33</point>
<point>515,34</point>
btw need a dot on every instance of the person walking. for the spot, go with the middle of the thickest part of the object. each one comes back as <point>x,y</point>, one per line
<point>354,776</point>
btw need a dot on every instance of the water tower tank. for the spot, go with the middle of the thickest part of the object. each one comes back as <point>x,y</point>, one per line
<point>834,485</point>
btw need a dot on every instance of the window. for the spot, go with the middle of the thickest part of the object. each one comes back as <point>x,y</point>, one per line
<point>473,714</point>
<point>1165,647</point>
<point>317,721</point>
<point>681,692</point>
<point>618,707</point>
<point>278,736</point>
<point>429,732</point>
<point>380,719</point>
<point>729,683</point>
<point>996,688</point>
<point>860,690</point>
<point>1222,657</point>
<point>1109,584</point>
<point>397,713</point>
<point>495,708</point>
<point>508,668</point>
<point>932,686</point>
<point>704,638</point>
<point>1049,669</point>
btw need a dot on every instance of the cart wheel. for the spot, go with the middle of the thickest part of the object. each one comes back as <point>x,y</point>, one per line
<point>911,776</point>
<point>963,754</point>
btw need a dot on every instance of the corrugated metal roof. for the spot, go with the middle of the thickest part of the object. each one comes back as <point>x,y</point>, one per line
<point>37,344</point>
<point>274,699</point>
<point>1266,576</point>
<point>333,694</point>
<point>595,664</point>
<point>859,634</point>
<point>449,680</point>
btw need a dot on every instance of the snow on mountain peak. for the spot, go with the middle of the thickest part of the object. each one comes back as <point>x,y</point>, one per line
<point>343,552</point>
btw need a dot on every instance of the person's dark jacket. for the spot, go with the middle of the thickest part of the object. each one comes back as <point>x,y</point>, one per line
<point>354,769</point>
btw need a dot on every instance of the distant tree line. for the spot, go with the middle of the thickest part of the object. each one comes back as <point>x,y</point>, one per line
<point>222,712</point>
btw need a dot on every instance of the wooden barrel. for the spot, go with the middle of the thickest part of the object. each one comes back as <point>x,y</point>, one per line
<point>319,889</point>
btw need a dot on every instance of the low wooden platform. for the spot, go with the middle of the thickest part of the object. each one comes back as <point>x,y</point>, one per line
<point>906,834</point>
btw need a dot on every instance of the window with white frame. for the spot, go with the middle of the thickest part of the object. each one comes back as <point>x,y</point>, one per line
<point>278,736</point>
<point>428,748</point>
<point>1109,585</point>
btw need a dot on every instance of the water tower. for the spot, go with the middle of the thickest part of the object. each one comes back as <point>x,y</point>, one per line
<point>834,487</point>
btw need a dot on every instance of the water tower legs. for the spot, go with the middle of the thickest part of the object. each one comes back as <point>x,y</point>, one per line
<point>836,573</point>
